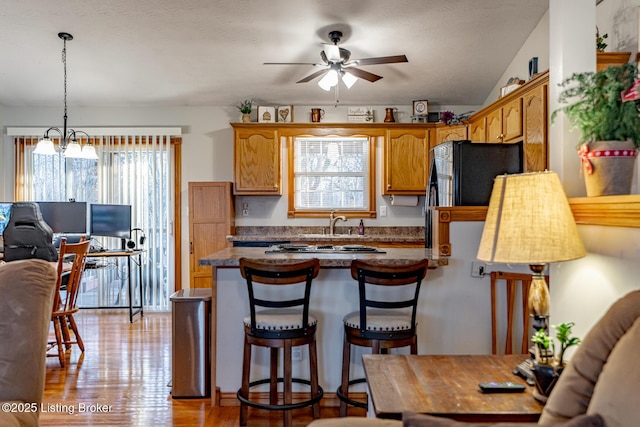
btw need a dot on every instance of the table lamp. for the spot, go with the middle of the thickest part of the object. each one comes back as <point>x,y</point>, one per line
<point>529,221</point>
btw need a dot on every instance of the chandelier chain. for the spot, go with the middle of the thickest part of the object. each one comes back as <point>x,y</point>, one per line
<point>64,63</point>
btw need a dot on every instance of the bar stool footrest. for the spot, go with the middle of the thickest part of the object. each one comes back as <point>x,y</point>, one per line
<point>281,407</point>
<point>348,401</point>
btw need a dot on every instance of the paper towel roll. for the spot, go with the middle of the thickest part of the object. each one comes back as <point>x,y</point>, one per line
<point>404,200</point>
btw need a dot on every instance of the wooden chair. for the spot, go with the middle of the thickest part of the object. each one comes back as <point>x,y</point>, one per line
<point>65,306</point>
<point>284,322</point>
<point>384,326</point>
<point>512,282</point>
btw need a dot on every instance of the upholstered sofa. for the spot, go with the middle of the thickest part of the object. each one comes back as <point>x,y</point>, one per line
<point>26,300</point>
<point>600,387</point>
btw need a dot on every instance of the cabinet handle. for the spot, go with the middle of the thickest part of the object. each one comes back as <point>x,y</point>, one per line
<point>191,248</point>
<point>275,187</point>
<point>388,186</point>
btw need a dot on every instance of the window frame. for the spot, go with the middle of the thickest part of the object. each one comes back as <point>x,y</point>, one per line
<point>368,212</point>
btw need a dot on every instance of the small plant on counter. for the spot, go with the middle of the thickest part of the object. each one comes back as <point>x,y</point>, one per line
<point>245,106</point>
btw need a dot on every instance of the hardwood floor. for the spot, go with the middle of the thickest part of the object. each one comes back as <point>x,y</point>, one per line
<point>122,379</point>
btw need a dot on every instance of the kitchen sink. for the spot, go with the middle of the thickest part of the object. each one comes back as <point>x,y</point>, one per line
<point>322,249</point>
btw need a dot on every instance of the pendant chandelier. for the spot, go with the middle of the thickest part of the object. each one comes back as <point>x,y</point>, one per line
<point>69,144</point>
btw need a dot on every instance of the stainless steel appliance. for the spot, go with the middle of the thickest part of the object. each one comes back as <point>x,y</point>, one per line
<point>461,173</point>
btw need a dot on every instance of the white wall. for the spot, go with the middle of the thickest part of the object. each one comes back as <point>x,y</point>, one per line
<point>537,44</point>
<point>585,288</point>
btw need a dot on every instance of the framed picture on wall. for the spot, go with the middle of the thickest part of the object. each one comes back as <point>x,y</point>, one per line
<point>284,114</point>
<point>266,114</point>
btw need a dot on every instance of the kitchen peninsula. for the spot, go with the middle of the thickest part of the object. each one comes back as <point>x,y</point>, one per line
<point>334,294</point>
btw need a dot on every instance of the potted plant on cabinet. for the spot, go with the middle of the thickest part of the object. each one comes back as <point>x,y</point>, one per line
<point>604,107</point>
<point>245,108</point>
<point>548,366</point>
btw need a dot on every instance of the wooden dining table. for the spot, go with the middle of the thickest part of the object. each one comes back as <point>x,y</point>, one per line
<point>448,386</point>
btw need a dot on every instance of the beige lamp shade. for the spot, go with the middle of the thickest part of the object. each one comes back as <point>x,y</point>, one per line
<point>529,221</point>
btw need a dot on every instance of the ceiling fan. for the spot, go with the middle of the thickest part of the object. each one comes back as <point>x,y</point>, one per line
<point>337,62</point>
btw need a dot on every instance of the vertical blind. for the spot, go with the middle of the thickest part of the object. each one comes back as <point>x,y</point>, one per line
<point>136,170</point>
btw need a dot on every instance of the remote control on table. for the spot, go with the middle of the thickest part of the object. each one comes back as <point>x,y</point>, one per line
<point>502,387</point>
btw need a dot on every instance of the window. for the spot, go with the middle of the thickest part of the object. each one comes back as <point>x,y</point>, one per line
<point>331,173</point>
<point>136,170</point>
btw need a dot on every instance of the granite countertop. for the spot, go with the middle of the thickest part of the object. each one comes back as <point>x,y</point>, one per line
<point>229,257</point>
<point>314,234</point>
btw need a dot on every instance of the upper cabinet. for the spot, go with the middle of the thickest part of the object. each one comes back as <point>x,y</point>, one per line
<point>405,161</point>
<point>504,124</point>
<point>256,153</point>
<point>534,117</point>
<point>478,129</point>
<point>519,116</point>
<point>450,133</point>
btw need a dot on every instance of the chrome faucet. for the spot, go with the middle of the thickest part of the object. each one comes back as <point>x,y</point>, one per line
<point>332,221</point>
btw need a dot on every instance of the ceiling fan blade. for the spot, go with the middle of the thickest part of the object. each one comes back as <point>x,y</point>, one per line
<point>381,60</point>
<point>291,63</point>
<point>312,76</point>
<point>363,74</point>
<point>332,52</point>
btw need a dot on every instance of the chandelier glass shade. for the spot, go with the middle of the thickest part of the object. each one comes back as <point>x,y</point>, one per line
<point>69,143</point>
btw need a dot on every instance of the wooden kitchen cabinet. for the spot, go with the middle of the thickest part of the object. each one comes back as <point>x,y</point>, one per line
<point>257,160</point>
<point>211,219</point>
<point>405,165</point>
<point>504,124</point>
<point>451,133</point>
<point>478,129</point>
<point>534,117</point>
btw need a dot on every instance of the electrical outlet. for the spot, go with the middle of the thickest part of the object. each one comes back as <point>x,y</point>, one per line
<point>245,209</point>
<point>478,269</point>
<point>296,354</point>
<point>383,211</point>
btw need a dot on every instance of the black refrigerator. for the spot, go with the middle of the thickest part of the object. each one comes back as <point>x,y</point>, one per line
<point>461,173</point>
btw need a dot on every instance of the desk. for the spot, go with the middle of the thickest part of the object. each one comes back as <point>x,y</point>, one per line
<point>447,386</point>
<point>130,255</point>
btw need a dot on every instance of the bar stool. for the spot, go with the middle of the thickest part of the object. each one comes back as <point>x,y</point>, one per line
<point>284,323</point>
<point>383,326</point>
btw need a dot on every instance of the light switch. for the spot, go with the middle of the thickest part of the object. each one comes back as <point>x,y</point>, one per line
<point>383,211</point>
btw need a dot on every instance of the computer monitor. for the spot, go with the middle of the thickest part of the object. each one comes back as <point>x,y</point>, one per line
<point>110,220</point>
<point>65,217</point>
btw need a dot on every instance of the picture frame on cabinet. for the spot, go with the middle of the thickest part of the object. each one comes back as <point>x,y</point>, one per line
<point>266,114</point>
<point>284,114</point>
<point>420,108</point>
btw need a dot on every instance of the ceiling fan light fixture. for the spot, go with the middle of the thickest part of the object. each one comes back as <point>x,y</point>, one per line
<point>348,79</point>
<point>329,80</point>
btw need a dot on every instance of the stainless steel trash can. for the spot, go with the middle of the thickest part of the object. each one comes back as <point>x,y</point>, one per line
<point>190,340</point>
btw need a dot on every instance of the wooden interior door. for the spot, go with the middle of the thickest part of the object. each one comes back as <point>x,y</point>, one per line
<point>211,219</point>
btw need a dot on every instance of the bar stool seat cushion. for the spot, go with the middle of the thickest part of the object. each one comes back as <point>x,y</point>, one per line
<point>279,319</point>
<point>379,320</point>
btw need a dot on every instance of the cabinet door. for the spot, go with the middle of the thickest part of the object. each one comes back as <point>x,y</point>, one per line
<point>535,129</point>
<point>405,162</point>
<point>512,120</point>
<point>211,219</point>
<point>494,126</point>
<point>257,162</point>
<point>477,130</point>
<point>451,133</point>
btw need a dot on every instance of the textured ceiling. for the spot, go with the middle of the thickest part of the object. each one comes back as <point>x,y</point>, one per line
<point>211,52</point>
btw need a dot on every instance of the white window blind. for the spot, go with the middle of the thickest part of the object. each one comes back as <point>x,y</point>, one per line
<point>331,173</point>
